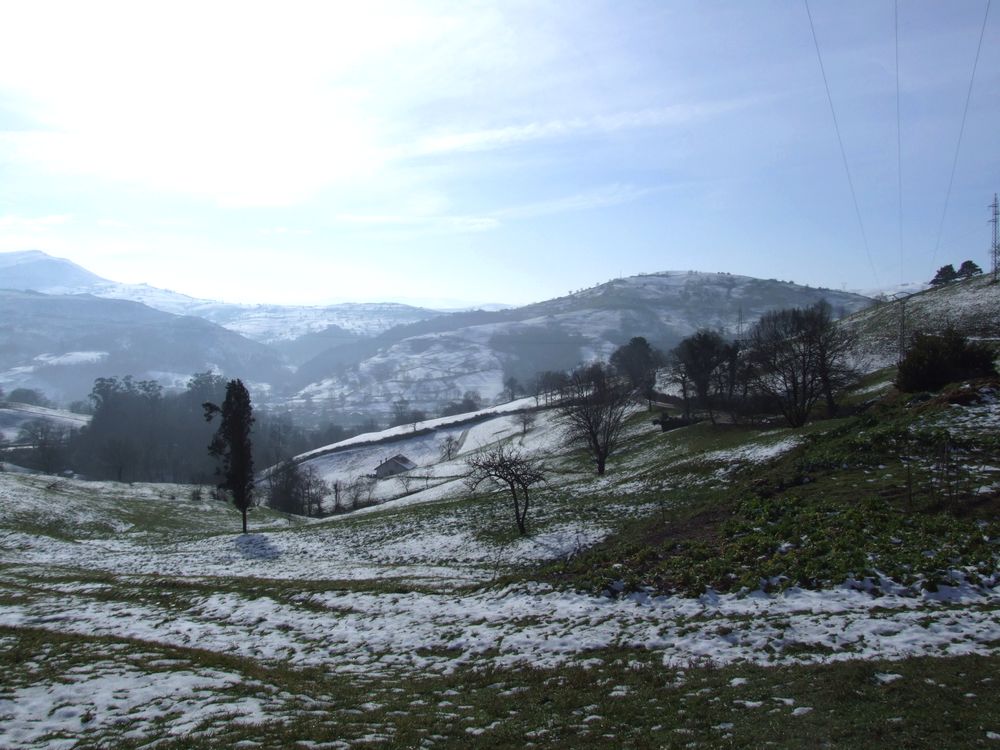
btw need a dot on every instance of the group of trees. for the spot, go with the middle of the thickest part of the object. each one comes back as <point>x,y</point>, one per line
<point>29,396</point>
<point>141,433</point>
<point>947,273</point>
<point>791,360</point>
<point>403,414</point>
<point>47,445</point>
<point>593,403</point>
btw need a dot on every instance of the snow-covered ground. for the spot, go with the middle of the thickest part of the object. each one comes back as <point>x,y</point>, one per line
<point>409,588</point>
<point>972,306</point>
<point>14,416</point>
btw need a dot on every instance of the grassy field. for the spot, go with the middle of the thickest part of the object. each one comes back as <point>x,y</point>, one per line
<point>721,586</point>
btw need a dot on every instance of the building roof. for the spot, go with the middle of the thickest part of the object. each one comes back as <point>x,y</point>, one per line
<point>401,461</point>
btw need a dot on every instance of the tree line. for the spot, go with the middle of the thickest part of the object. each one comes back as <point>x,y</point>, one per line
<point>140,433</point>
<point>790,361</point>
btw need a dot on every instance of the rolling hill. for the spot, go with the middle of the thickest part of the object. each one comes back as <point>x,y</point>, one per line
<point>354,361</point>
<point>271,324</point>
<point>61,343</point>
<point>435,361</point>
<point>971,306</point>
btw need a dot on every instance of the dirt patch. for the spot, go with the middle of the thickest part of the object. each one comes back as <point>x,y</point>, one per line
<point>704,526</point>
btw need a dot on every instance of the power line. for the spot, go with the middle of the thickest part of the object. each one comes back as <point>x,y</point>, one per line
<point>961,132</point>
<point>840,140</point>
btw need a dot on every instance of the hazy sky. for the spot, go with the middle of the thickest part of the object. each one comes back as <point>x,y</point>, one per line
<point>492,152</point>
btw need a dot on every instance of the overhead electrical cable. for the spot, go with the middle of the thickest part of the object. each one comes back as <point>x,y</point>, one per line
<point>840,140</point>
<point>961,131</point>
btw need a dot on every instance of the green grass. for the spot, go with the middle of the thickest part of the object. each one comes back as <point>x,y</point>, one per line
<point>841,503</point>
<point>622,699</point>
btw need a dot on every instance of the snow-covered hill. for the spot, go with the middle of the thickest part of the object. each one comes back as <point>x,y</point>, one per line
<point>438,360</point>
<point>972,306</point>
<point>357,359</point>
<point>14,416</point>
<point>36,271</point>
<point>61,343</point>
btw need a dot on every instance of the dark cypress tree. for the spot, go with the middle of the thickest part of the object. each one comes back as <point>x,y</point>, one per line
<point>232,445</point>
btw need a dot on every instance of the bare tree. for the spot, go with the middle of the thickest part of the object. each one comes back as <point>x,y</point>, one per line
<point>527,420</point>
<point>47,442</point>
<point>449,447</point>
<point>595,409</point>
<point>833,346</point>
<point>354,491</point>
<point>799,356</point>
<point>505,465</point>
<point>406,481</point>
<point>295,488</point>
<point>368,484</point>
<point>316,491</point>
<point>784,363</point>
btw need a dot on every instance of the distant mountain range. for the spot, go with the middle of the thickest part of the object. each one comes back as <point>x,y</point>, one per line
<point>61,326</point>
<point>61,343</point>
<point>36,271</point>
<point>437,360</point>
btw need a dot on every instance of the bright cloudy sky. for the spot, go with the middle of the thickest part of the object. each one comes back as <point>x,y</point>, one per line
<point>493,151</point>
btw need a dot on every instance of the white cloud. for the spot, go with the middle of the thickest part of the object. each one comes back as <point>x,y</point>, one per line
<point>601,197</point>
<point>35,232</point>
<point>449,224</point>
<point>255,105</point>
<point>238,103</point>
<point>32,223</point>
<point>480,140</point>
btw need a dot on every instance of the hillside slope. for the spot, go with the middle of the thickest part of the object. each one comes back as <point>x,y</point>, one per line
<point>36,271</point>
<point>972,306</point>
<point>721,585</point>
<point>61,343</point>
<point>435,361</point>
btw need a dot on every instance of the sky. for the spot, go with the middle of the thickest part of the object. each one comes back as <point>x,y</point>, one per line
<point>472,152</point>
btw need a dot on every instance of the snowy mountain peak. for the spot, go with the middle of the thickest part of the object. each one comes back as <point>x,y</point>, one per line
<point>34,270</point>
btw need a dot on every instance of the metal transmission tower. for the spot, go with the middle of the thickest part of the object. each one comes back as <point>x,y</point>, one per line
<point>995,250</point>
<point>900,299</point>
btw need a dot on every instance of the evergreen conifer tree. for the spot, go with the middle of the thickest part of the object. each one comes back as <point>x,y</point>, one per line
<point>968,269</point>
<point>944,275</point>
<point>232,445</point>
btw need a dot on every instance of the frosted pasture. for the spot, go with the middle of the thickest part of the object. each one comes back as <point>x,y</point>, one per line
<point>410,588</point>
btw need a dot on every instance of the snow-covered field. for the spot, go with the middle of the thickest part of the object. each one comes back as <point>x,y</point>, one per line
<point>414,587</point>
<point>14,416</point>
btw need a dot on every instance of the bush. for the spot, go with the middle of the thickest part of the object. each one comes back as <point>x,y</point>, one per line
<point>934,361</point>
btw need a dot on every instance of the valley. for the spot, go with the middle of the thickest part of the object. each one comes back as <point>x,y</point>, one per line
<point>730,580</point>
<point>137,613</point>
<point>352,361</point>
